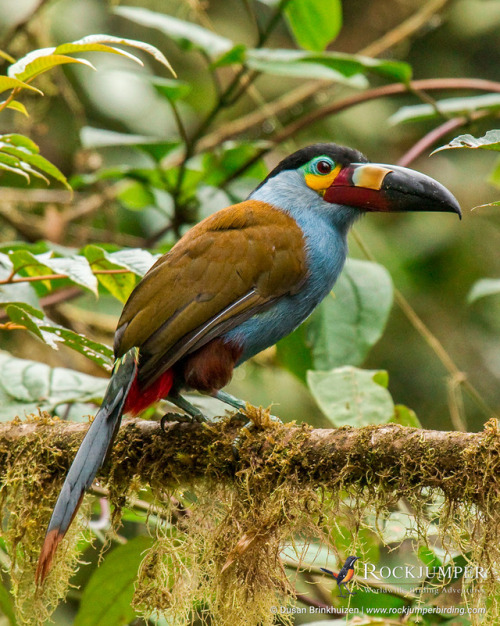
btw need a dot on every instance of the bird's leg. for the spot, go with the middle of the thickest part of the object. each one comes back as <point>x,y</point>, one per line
<point>240,405</point>
<point>193,414</point>
<point>351,593</point>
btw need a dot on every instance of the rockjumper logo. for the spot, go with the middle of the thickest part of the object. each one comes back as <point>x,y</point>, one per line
<point>416,572</point>
<point>345,575</point>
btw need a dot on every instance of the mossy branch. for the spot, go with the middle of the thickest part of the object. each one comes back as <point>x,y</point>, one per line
<point>464,465</point>
<point>287,482</point>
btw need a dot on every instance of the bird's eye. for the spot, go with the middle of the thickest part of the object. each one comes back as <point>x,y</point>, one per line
<point>323,167</point>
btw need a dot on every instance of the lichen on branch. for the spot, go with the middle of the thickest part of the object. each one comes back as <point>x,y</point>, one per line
<point>225,554</point>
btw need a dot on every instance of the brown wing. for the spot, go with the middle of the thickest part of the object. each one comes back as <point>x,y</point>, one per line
<point>224,270</point>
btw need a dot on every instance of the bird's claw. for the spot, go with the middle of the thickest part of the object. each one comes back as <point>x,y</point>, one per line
<point>182,418</point>
<point>247,429</point>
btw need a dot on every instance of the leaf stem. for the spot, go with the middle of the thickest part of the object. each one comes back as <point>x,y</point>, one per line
<point>32,279</point>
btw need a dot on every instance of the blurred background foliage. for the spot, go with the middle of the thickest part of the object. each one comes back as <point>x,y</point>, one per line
<point>128,194</point>
<point>433,261</point>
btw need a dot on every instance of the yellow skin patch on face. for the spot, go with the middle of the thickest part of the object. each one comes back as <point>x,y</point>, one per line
<point>370,176</point>
<point>321,182</point>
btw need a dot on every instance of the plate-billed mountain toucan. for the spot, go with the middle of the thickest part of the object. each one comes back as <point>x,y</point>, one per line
<point>232,286</point>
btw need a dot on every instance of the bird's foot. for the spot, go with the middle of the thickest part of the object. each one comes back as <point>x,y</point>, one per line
<point>257,419</point>
<point>174,417</point>
<point>193,412</point>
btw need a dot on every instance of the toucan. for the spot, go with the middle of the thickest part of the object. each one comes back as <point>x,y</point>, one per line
<point>233,285</point>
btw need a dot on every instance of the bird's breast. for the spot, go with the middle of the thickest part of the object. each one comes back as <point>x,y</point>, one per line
<point>326,250</point>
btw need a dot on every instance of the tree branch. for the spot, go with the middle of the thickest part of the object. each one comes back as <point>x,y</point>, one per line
<point>465,466</point>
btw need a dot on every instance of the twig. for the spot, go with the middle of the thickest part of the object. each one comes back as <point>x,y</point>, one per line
<point>428,140</point>
<point>312,88</point>
<point>32,279</point>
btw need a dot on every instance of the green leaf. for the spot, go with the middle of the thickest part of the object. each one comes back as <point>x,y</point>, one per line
<point>6,602</point>
<point>29,159</point>
<point>352,319</point>
<point>97,43</point>
<point>314,23</point>
<point>294,353</point>
<point>100,138</point>
<point>449,106</point>
<point>107,598</point>
<point>13,165</point>
<point>405,417</point>
<point>429,558</point>
<point>490,141</point>
<point>298,64</point>
<point>236,55</point>
<point>16,292</point>
<point>26,152</point>
<point>328,65</point>
<point>484,287</point>
<point>350,396</point>
<point>28,385</point>
<point>40,61</point>
<point>119,285</point>
<point>9,82</point>
<point>75,267</point>
<point>494,177</point>
<point>6,56</point>
<point>171,89</point>
<point>187,36</point>
<point>19,141</point>
<point>16,106</point>
<point>52,334</point>
<point>136,196</point>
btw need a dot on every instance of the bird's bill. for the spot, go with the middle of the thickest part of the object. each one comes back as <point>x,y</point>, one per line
<point>390,188</point>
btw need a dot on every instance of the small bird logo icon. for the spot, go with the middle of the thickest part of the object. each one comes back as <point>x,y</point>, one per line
<point>345,575</point>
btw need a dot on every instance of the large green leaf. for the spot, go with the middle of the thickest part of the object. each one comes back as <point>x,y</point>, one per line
<point>327,65</point>
<point>352,318</point>
<point>187,35</point>
<point>484,287</point>
<point>314,23</point>
<point>51,333</point>
<point>26,386</point>
<point>448,106</point>
<point>353,397</point>
<point>345,326</point>
<point>490,141</point>
<point>107,598</point>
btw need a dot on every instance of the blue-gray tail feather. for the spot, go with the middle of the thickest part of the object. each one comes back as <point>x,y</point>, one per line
<point>90,457</point>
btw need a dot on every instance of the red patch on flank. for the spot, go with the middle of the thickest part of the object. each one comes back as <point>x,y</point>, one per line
<point>139,399</point>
